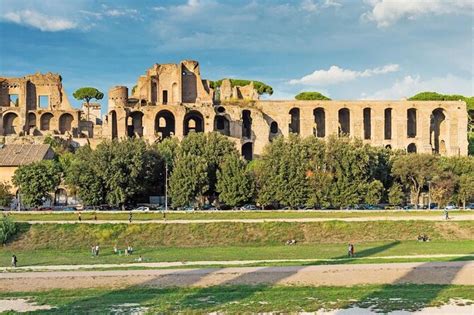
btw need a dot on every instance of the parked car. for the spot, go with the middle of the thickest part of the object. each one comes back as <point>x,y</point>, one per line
<point>248,207</point>
<point>142,209</point>
<point>45,208</point>
<point>408,207</point>
<point>470,206</point>
<point>450,207</point>
<point>65,209</point>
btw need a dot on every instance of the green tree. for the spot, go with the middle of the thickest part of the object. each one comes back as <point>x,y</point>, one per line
<point>36,181</point>
<point>311,96</point>
<point>189,181</point>
<point>234,182</point>
<point>396,195</point>
<point>414,171</point>
<point>5,194</point>
<point>87,94</point>
<point>442,188</point>
<point>261,87</point>
<point>466,188</point>
<point>374,192</point>
<point>8,228</point>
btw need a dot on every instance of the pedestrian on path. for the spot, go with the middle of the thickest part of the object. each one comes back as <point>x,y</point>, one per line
<point>14,261</point>
<point>130,217</point>
<point>95,217</point>
<point>79,217</point>
<point>97,250</point>
<point>349,250</point>
<point>446,214</point>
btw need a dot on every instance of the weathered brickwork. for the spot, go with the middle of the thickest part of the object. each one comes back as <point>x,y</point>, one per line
<point>173,100</point>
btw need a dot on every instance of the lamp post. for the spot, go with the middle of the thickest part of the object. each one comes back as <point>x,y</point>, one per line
<point>166,186</point>
<point>429,195</point>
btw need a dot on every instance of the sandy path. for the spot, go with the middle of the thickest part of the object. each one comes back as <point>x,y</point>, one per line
<point>219,263</point>
<point>461,273</point>
<point>464,217</point>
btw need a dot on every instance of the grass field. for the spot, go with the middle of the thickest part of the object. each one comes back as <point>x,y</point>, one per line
<point>216,215</point>
<point>241,299</point>
<point>336,252</point>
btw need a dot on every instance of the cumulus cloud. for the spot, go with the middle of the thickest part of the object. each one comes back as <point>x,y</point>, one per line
<point>411,85</point>
<point>335,75</point>
<point>40,21</point>
<point>387,12</point>
<point>314,6</point>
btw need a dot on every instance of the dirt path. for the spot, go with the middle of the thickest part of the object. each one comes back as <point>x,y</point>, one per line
<point>217,263</point>
<point>461,273</point>
<point>463,217</point>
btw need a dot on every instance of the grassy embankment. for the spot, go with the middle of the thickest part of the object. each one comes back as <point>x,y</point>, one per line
<point>224,215</point>
<point>51,244</point>
<point>238,299</point>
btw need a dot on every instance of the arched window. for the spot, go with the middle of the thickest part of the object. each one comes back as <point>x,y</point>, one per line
<point>113,117</point>
<point>388,124</point>
<point>193,122</point>
<point>294,126</point>
<point>222,125</point>
<point>367,123</point>
<point>135,124</point>
<point>411,148</point>
<point>246,124</point>
<point>247,151</point>
<point>274,127</point>
<point>438,131</point>
<point>11,124</point>
<point>165,124</point>
<point>320,122</point>
<point>411,123</point>
<point>344,122</point>
<point>45,121</point>
<point>65,123</point>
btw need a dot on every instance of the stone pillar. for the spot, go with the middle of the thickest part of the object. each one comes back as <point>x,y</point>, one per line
<point>306,121</point>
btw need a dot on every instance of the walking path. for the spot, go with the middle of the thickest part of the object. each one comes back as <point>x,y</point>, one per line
<point>217,263</point>
<point>460,273</point>
<point>463,217</point>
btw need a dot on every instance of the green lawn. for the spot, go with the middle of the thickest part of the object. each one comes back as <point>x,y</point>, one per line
<point>82,255</point>
<point>215,215</point>
<point>244,299</point>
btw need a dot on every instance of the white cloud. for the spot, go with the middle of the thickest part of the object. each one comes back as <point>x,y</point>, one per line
<point>309,5</point>
<point>40,21</point>
<point>387,12</point>
<point>314,6</point>
<point>411,85</point>
<point>336,75</point>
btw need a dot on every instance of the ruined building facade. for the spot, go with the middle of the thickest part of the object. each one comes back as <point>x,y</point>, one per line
<point>172,100</point>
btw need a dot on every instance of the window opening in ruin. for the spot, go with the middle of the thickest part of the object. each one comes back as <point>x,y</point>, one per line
<point>319,129</point>
<point>10,124</point>
<point>247,151</point>
<point>65,123</point>
<point>344,122</point>
<point>45,121</point>
<point>165,97</point>
<point>165,124</point>
<point>222,125</point>
<point>388,124</point>
<point>193,122</point>
<point>411,148</point>
<point>246,124</point>
<point>14,100</point>
<point>43,101</point>
<point>31,120</point>
<point>135,124</point>
<point>388,147</point>
<point>154,92</point>
<point>274,127</point>
<point>113,115</point>
<point>411,123</point>
<point>367,124</point>
<point>294,126</point>
<point>437,130</point>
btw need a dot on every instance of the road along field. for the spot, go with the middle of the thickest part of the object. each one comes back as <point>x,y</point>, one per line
<point>205,216</point>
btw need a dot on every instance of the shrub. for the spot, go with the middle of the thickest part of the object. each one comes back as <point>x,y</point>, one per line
<point>7,229</point>
<point>311,96</point>
<point>261,87</point>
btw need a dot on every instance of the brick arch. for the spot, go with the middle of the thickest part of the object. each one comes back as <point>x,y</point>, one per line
<point>11,123</point>
<point>45,121</point>
<point>165,123</point>
<point>193,121</point>
<point>65,123</point>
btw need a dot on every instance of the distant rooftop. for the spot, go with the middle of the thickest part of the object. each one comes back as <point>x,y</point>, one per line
<point>21,154</point>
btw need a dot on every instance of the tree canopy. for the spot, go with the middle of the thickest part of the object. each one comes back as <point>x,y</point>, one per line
<point>433,96</point>
<point>311,96</point>
<point>261,87</point>
<point>87,94</point>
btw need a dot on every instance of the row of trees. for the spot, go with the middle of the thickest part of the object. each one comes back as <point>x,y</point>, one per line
<point>206,167</point>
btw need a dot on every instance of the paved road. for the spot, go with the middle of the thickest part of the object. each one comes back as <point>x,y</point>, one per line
<point>461,273</point>
<point>218,263</point>
<point>463,217</point>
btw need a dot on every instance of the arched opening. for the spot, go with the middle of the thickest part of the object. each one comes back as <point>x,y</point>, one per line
<point>65,123</point>
<point>437,130</point>
<point>31,123</point>
<point>247,151</point>
<point>164,124</point>
<point>60,197</point>
<point>113,117</point>
<point>45,121</point>
<point>294,126</point>
<point>344,122</point>
<point>274,127</point>
<point>135,124</point>
<point>388,147</point>
<point>11,124</point>
<point>388,124</point>
<point>442,147</point>
<point>193,122</point>
<point>174,93</point>
<point>222,125</point>
<point>320,122</point>
<point>367,123</point>
<point>411,148</point>
<point>246,124</point>
<point>411,123</point>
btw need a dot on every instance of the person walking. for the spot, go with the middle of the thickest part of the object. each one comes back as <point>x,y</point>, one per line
<point>352,250</point>
<point>446,214</point>
<point>97,250</point>
<point>130,217</point>
<point>14,261</point>
<point>93,250</point>
<point>349,250</point>
<point>79,217</point>
<point>95,217</point>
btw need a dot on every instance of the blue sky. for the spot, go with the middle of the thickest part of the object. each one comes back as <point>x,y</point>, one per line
<point>347,49</point>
